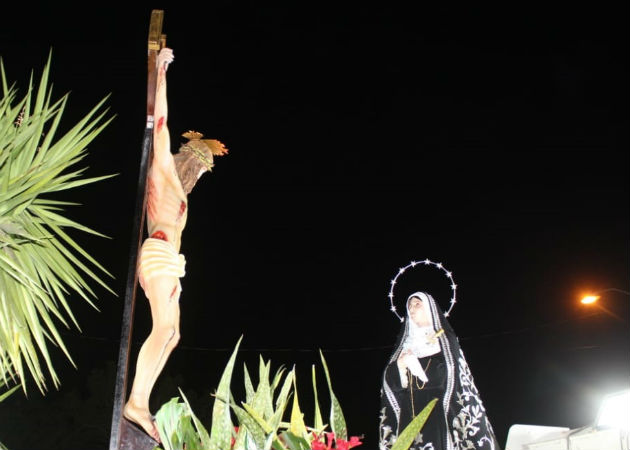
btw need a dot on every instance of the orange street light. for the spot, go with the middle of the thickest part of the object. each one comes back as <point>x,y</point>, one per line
<point>588,299</point>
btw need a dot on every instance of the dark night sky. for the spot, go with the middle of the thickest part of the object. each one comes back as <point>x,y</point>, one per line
<point>493,140</point>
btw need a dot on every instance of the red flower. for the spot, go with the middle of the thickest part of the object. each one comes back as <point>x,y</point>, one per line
<point>340,444</point>
<point>318,445</point>
<point>329,438</point>
<point>233,441</point>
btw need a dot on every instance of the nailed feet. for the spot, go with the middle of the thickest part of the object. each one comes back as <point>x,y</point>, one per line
<point>142,417</point>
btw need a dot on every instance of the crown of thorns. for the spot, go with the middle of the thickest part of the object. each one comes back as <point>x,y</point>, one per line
<point>413,264</point>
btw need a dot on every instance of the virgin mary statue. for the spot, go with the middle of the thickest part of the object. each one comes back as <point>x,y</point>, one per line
<point>428,363</point>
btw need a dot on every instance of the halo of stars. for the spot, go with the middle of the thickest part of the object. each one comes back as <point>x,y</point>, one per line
<point>412,264</point>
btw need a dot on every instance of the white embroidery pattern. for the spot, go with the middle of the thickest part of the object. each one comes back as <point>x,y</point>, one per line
<point>428,446</point>
<point>466,423</point>
<point>386,438</point>
<point>418,442</point>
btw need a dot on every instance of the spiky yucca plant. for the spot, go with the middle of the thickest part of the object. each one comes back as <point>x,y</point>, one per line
<point>40,264</point>
<point>260,423</point>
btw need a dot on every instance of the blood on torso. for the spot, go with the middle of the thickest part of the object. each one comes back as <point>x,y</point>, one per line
<point>167,207</point>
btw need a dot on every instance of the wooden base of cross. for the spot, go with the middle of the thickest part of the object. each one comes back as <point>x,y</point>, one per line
<point>125,435</point>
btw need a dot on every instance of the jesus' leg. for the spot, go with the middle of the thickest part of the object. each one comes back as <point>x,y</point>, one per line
<point>171,343</point>
<point>154,352</point>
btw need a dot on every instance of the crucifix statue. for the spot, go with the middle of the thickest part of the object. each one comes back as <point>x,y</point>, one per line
<point>169,179</point>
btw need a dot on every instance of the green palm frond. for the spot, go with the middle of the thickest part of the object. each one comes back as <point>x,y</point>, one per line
<point>41,266</point>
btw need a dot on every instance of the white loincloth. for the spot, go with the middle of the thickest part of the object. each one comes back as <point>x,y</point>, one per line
<point>159,258</point>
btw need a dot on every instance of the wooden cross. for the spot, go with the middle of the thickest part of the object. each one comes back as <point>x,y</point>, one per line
<point>124,435</point>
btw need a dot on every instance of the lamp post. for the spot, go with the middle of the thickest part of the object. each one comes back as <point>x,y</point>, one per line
<point>592,298</point>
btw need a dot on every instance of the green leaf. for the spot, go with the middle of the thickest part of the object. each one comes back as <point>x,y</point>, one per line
<point>254,428</point>
<point>188,435</point>
<point>319,423</point>
<point>270,440</point>
<point>266,429</point>
<point>204,437</point>
<point>262,402</point>
<point>295,442</point>
<point>276,379</point>
<point>258,417</point>
<point>297,427</point>
<point>9,392</point>
<point>282,400</point>
<point>337,421</point>
<point>241,436</point>
<point>221,430</point>
<point>168,421</point>
<point>406,437</point>
<point>249,387</point>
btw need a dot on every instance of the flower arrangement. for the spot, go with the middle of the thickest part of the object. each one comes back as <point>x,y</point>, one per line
<point>260,423</point>
<point>260,418</point>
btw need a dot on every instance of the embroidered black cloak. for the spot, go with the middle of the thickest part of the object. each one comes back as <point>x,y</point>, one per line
<point>459,420</point>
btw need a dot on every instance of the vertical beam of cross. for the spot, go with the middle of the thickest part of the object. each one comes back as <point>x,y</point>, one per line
<point>119,438</point>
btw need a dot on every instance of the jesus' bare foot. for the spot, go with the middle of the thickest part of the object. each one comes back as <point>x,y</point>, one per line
<point>141,416</point>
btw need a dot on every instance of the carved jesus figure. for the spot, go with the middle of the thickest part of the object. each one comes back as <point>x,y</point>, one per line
<point>169,180</point>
